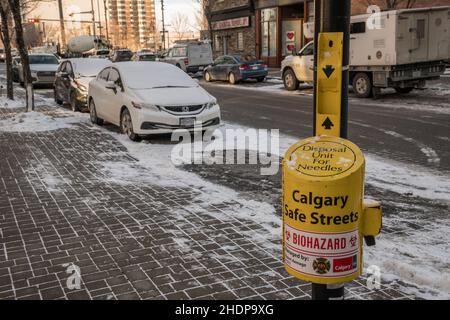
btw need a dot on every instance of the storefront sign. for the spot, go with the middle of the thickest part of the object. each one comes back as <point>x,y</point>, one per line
<point>231,23</point>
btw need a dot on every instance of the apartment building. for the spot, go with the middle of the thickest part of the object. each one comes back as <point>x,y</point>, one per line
<point>133,23</point>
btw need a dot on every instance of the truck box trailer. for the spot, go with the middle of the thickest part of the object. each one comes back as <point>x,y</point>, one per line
<point>400,49</point>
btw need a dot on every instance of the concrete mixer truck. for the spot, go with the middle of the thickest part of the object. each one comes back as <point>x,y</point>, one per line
<point>86,46</point>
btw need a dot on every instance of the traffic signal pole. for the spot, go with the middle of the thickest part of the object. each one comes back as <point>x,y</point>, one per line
<point>325,215</point>
<point>331,16</point>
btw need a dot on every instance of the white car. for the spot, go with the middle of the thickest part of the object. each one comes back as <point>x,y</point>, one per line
<point>145,98</point>
<point>298,68</point>
<point>43,68</point>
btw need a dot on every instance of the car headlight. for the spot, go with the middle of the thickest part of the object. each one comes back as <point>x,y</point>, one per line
<point>81,87</point>
<point>143,105</point>
<point>210,105</point>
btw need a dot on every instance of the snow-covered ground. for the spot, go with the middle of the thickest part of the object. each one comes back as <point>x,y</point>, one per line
<point>418,257</point>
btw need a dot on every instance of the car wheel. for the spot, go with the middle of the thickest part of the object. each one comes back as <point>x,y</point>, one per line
<point>93,114</point>
<point>207,77</point>
<point>362,85</point>
<point>58,101</point>
<point>404,90</point>
<point>73,102</point>
<point>290,80</point>
<point>261,79</point>
<point>126,126</point>
<point>232,78</point>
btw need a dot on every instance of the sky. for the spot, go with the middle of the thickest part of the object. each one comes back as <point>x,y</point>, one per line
<point>49,9</point>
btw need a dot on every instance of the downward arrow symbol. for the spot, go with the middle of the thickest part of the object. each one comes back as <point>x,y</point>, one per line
<point>327,124</point>
<point>328,70</point>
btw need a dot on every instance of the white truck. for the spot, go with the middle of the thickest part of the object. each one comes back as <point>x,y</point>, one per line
<point>190,56</point>
<point>398,49</point>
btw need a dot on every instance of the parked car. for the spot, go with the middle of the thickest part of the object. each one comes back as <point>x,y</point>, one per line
<point>72,80</point>
<point>15,69</point>
<point>2,55</point>
<point>144,56</point>
<point>122,55</point>
<point>102,53</point>
<point>145,98</point>
<point>191,57</point>
<point>236,68</point>
<point>43,67</point>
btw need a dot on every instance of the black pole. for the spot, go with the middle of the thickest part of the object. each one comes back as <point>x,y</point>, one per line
<point>332,16</point>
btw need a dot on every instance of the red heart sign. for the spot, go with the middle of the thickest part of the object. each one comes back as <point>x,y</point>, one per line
<point>290,35</point>
<point>290,47</point>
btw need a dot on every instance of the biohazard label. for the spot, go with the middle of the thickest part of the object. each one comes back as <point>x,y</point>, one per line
<point>326,255</point>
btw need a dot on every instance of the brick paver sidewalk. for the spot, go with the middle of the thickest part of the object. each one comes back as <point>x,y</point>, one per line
<point>130,241</point>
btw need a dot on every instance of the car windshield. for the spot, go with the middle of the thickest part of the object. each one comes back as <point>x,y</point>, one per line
<point>42,59</point>
<point>147,57</point>
<point>89,67</point>
<point>124,53</point>
<point>153,75</point>
<point>102,52</point>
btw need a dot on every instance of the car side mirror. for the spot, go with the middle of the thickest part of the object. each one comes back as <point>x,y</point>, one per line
<point>64,75</point>
<point>111,85</point>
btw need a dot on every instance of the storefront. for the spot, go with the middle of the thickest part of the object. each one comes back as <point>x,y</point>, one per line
<point>279,29</point>
<point>233,29</point>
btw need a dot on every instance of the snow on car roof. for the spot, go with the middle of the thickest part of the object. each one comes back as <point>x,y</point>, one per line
<point>89,67</point>
<point>149,75</point>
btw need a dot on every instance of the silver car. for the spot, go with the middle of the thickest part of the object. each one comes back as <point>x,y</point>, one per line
<point>43,67</point>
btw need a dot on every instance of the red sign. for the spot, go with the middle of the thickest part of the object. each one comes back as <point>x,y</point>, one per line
<point>33,20</point>
<point>231,23</point>
<point>344,264</point>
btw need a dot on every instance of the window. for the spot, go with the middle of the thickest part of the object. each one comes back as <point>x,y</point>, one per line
<point>179,52</point>
<point>104,74</point>
<point>62,67</point>
<point>69,68</point>
<point>240,41</point>
<point>420,28</point>
<point>114,76</point>
<point>220,60</point>
<point>308,51</point>
<point>269,32</point>
<point>358,27</point>
<point>217,45</point>
<point>229,60</point>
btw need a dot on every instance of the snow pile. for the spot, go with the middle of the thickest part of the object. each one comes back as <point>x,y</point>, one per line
<point>43,176</point>
<point>11,104</point>
<point>38,122</point>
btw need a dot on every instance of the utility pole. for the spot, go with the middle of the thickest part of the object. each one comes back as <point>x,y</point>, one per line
<point>106,20</point>
<point>93,18</point>
<point>163,25</point>
<point>61,25</point>
<point>331,16</point>
<point>99,18</point>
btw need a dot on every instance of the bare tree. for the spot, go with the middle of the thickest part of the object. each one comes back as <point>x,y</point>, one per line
<point>5,37</point>
<point>206,12</point>
<point>180,24</point>
<point>15,7</point>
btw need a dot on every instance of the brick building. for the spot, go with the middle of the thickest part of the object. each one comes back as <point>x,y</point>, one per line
<point>233,27</point>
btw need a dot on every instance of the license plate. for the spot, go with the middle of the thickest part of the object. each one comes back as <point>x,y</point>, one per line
<point>200,68</point>
<point>187,122</point>
<point>255,68</point>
